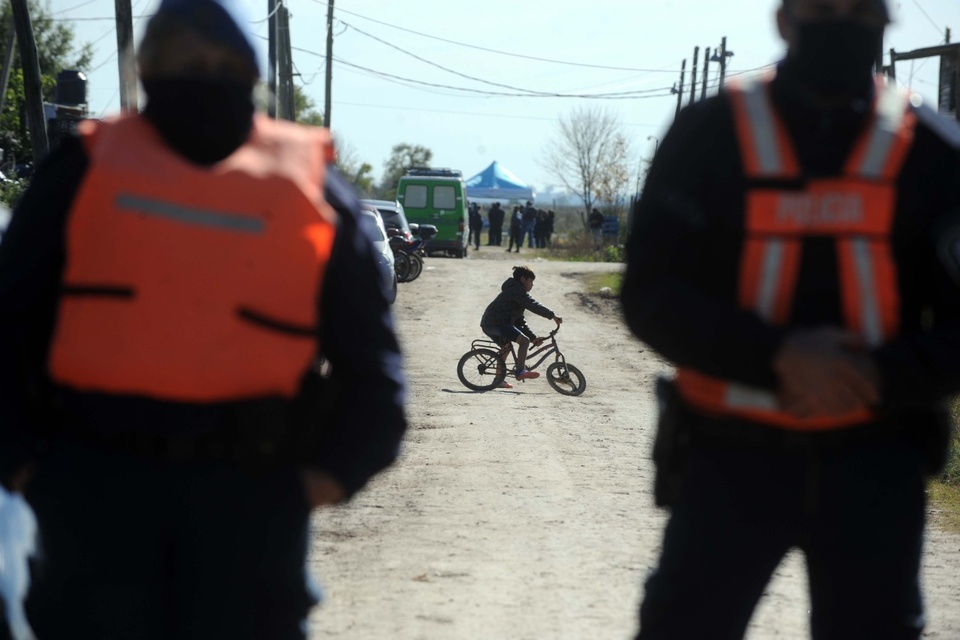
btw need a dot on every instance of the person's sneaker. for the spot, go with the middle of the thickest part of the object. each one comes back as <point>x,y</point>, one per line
<point>525,374</point>
<point>505,385</point>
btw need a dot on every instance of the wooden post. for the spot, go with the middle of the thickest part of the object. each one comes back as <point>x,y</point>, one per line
<point>272,57</point>
<point>32,87</point>
<point>285,98</point>
<point>693,76</point>
<point>723,60</point>
<point>7,63</point>
<point>125,56</point>
<point>328,82</point>
<point>683,71</point>
<point>706,72</point>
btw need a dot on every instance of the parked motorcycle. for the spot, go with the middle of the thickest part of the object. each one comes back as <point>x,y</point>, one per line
<point>408,255</point>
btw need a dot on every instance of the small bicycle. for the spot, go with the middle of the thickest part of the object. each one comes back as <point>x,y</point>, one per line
<point>484,367</point>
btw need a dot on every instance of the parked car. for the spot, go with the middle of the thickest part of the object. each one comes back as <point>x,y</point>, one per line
<point>393,216</point>
<point>372,225</point>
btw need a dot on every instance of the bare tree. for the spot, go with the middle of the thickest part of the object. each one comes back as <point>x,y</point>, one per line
<point>589,156</point>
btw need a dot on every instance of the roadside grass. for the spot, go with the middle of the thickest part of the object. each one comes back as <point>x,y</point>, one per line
<point>598,281</point>
<point>944,491</point>
<point>579,246</point>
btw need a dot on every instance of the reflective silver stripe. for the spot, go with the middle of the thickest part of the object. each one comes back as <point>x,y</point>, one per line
<point>769,279</point>
<point>739,396</point>
<point>891,107</point>
<point>200,217</point>
<point>763,128</point>
<point>869,310</point>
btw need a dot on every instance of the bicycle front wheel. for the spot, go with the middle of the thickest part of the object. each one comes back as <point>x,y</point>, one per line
<point>566,379</point>
<point>481,370</point>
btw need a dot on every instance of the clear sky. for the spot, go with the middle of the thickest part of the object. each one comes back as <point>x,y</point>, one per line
<point>495,43</point>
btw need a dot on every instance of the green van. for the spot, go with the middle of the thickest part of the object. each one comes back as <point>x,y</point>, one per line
<point>437,197</point>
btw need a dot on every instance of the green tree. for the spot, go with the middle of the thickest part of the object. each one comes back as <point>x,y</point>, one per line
<point>56,51</point>
<point>357,173</point>
<point>402,157</point>
<point>305,109</point>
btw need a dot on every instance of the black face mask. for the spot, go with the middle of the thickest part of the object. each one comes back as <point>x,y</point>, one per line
<point>835,57</point>
<point>204,120</point>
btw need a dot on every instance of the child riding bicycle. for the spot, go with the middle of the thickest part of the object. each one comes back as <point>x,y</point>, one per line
<point>503,318</point>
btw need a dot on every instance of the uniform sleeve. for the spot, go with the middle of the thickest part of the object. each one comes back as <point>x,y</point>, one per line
<point>358,339</point>
<point>31,266</point>
<point>922,367</point>
<point>667,302</point>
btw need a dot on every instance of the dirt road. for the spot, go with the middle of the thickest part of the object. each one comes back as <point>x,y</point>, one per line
<point>525,514</point>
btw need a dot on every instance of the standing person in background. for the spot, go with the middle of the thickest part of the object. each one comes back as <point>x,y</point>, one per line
<point>796,253</point>
<point>168,284</point>
<point>596,226</point>
<point>495,218</point>
<point>548,232</point>
<point>529,224</point>
<point>476,224</point>
<point>540,229</point>
<point>516,229</point>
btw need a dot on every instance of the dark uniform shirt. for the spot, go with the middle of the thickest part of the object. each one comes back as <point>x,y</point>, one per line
<point>356,335</point>
<point>680,288</point>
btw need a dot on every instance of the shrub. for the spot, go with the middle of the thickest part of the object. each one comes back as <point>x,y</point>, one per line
<point>951,475</point>
<point>12,190</point>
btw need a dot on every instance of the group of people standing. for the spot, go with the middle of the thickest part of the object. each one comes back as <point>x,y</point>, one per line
<point>536,225</point>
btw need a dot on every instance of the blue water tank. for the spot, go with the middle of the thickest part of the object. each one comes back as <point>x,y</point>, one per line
<point>71,87</point>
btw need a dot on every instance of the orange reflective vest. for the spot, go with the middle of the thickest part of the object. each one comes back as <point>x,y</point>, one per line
<point>189,283</point>
<point>856,209</point>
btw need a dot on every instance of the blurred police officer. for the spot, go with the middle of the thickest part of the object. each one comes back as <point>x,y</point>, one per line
<point>169,282</point>
<point>794,253</point>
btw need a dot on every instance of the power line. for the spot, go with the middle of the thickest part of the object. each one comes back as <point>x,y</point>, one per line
<point>503,53</point>
<point>936,26</point>
<point>98,18</point>
<point>78,6</point>
<point>622,95</point>
<point>612,96</point>
<point>477,113</point>
<point>531,92</point>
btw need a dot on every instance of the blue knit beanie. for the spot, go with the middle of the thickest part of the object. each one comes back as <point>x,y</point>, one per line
<point>220,21</point>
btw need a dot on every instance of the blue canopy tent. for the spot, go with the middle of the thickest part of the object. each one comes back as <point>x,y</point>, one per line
<point>497,183</point>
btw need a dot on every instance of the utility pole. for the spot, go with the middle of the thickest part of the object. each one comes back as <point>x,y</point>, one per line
<point>706,72</point>
<point>32,87</point>
<point>272,57</point>
<point>7,63</point>
<point>723,60</point>
<point>683,71</point>
<point>693,76</point>
<point>892,69</point>
<point>286,110</point>
<point>328,83</point>
<point>127,62</point>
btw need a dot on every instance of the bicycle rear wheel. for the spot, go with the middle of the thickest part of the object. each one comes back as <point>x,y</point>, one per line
<point>566,379</point>
<point>481,369</point>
